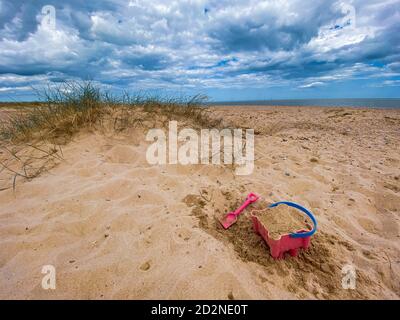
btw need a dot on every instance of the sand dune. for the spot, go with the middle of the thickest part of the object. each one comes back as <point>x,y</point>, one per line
<point>116,227</point>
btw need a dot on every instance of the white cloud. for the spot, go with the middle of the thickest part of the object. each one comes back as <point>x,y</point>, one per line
<point>312,84</point>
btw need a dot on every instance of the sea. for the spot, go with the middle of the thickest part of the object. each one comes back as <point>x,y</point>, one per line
<point>392,103</point>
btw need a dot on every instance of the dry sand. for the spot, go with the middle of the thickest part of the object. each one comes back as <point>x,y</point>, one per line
<point>116,227</point>
<point>283,220</point>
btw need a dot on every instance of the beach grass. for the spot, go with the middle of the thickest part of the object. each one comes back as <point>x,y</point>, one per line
<point>71,106</point>
<point>32,134</point>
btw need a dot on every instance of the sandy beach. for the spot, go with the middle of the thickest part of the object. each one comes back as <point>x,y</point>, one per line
<point>116,227</point>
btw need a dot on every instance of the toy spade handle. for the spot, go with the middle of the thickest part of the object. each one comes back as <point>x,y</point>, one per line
<point>251,197</point>
<point>307,212</point>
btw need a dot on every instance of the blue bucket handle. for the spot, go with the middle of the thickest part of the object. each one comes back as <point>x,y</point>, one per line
<point>301,208</point>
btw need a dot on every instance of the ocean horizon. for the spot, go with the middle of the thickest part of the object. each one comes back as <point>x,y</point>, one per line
<point>379,103</point>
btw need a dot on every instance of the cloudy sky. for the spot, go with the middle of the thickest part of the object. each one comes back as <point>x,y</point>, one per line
<point>229,50</point>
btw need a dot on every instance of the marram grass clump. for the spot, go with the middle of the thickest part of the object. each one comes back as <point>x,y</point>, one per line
<point>32,134</point>
<point>73,106</point>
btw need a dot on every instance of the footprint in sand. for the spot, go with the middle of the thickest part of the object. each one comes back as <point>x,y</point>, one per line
<point>183,234</point>
<point>389,223</point>
<point>145,266</point>
<point>122,154</point>
<point>369,225</point>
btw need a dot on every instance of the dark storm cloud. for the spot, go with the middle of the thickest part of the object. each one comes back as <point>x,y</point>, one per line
<point>269,25</point>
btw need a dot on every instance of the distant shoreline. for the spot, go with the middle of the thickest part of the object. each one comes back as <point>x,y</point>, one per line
<point>387,103</point>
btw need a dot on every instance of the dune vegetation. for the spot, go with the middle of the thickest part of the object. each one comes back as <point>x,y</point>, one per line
<point>32,134</point>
